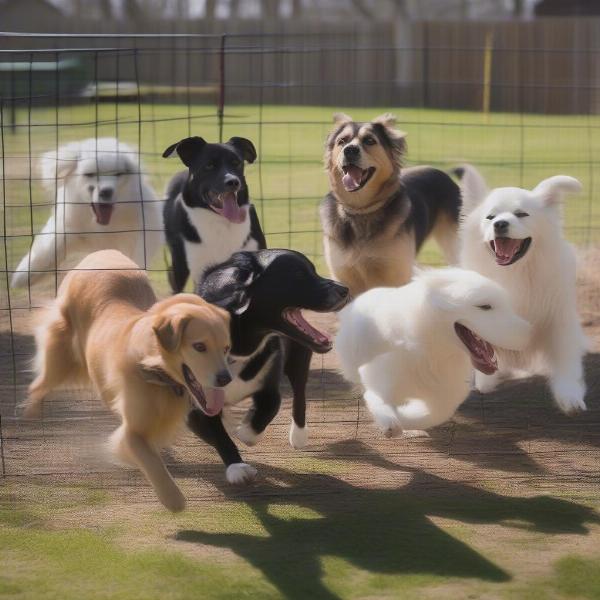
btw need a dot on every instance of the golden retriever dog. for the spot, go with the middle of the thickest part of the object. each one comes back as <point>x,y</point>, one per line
<point>148,360</point>
<point>376,216</point>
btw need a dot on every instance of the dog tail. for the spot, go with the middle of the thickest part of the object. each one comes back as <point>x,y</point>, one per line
<point>472,186</point>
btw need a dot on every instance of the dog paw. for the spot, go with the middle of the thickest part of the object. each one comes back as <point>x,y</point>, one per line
<point>174,500</point>
<point>19,279</point>
<point>238,473</point>
<point>569,396</point>
<point>246,434</point>
<point>31,409</point>
<point>485,383</point>
<point>298,436</point>
<point>415,433</point>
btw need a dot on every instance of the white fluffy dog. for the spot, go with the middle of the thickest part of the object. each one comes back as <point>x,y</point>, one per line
<point>514,236</point>
<point>102,201</point>
<point>412,347</point>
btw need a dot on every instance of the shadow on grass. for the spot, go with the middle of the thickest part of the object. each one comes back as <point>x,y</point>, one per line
<point>492,430</point>
<point>381,531</point>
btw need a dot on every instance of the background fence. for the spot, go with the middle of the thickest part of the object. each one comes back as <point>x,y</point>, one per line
<point>517,99</point>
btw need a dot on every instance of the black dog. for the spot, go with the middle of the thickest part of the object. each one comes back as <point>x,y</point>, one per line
<point>207,214</point>
<point>264,292</point>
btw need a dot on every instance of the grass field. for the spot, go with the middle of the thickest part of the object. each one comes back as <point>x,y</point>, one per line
<point>501,503</point>
<point>288,181</point>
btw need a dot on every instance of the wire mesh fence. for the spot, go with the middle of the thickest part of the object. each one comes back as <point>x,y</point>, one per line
<point>279,91</point>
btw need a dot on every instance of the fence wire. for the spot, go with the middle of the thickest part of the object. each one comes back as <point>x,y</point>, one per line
<point>280,92</point>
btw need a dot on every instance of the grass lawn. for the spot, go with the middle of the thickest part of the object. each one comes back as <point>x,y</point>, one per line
<point>288,181</point>
<point>500,504</point>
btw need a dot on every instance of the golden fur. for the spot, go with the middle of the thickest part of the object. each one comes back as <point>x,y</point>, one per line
<point>370,237</point>
<point>106,327</point>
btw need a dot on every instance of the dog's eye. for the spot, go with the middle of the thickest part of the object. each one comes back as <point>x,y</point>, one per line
<point>520,214</point>
<point>369,140</point>
<point>485,306</point>
<point>342,141</point>
<point>199,347</point>
<point>235,163</point>
<point>209,166</point>
<point>490,217</point>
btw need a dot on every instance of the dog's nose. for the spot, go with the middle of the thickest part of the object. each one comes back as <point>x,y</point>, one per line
<point>106,193</point>
<point>223,378</point>
<point>351,151</point>
<point>232,183</point>
<point>501,226</point>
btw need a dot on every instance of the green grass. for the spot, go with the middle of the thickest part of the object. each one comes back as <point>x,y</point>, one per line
<point>288,181</point>
<point>350,542</point>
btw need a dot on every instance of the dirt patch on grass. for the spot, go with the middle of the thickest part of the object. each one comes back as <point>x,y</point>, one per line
<point>492,498</point>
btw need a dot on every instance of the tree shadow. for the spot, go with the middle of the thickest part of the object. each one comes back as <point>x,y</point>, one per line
<point>382,531</point>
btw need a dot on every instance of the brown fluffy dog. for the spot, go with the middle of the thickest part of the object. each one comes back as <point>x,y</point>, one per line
<point>376,218</point>
<point>146,359</point>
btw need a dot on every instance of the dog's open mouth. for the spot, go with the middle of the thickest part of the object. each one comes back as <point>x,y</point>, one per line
<point>103,212</point>
<point>356,178</point>
<point>209,401</point>
<point>226,204</point>
<point>315,339</point>
<point>482,353</point>
<point>509,250</point>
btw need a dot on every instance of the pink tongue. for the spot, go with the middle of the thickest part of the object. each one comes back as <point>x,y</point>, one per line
<point>215,399</point>
<point>351,180</point>
<point>103,212</point>
<point>506,248</point>
<point>231,211</point>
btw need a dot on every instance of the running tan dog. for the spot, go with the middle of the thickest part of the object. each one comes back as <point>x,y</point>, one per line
<point>146,359</point>
<point>376,218</point>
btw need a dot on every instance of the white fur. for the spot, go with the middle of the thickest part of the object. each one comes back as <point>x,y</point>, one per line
<point>74,176</point>
<point>240,473</point>
<point>220,239</point>
<point>298,436</point>
<point>541,284</point>
<point>400,344</point>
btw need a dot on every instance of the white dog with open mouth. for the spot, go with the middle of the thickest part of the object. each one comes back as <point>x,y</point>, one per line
<point>514,236</point>
<point>103,201</point>
<point>412,347</point>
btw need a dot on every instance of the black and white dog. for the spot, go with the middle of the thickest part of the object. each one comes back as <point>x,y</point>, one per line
<point>264,293</point>
<point>207,214</point>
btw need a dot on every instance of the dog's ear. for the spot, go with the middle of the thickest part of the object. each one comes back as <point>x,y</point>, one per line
<point>244,147</point>
<point>233,289</point>
<point>473,187</point>
<point>169,329</point>
<point>58,164</point>
<point>339,118</point>
<point>385,126</point>
<point>551,191</point>
<point>187,149</point>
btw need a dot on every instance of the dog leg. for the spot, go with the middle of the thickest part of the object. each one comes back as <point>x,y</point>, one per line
<point>566,369</point>
<point>179,271</point>
<point>486,383</point>
<point>384,415</point>
<point>46,247</point>
<point>415,415</point>
<point>265,409</point>
<point>296,368</point>
<point>212,431</point>
<point>445,234</point>
<point>133,448</point>
<point>55,363</point>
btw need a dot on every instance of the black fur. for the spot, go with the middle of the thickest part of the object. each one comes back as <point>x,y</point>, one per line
<point>421,196</point>
<point>256,287</point>
<point>212,168</point>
